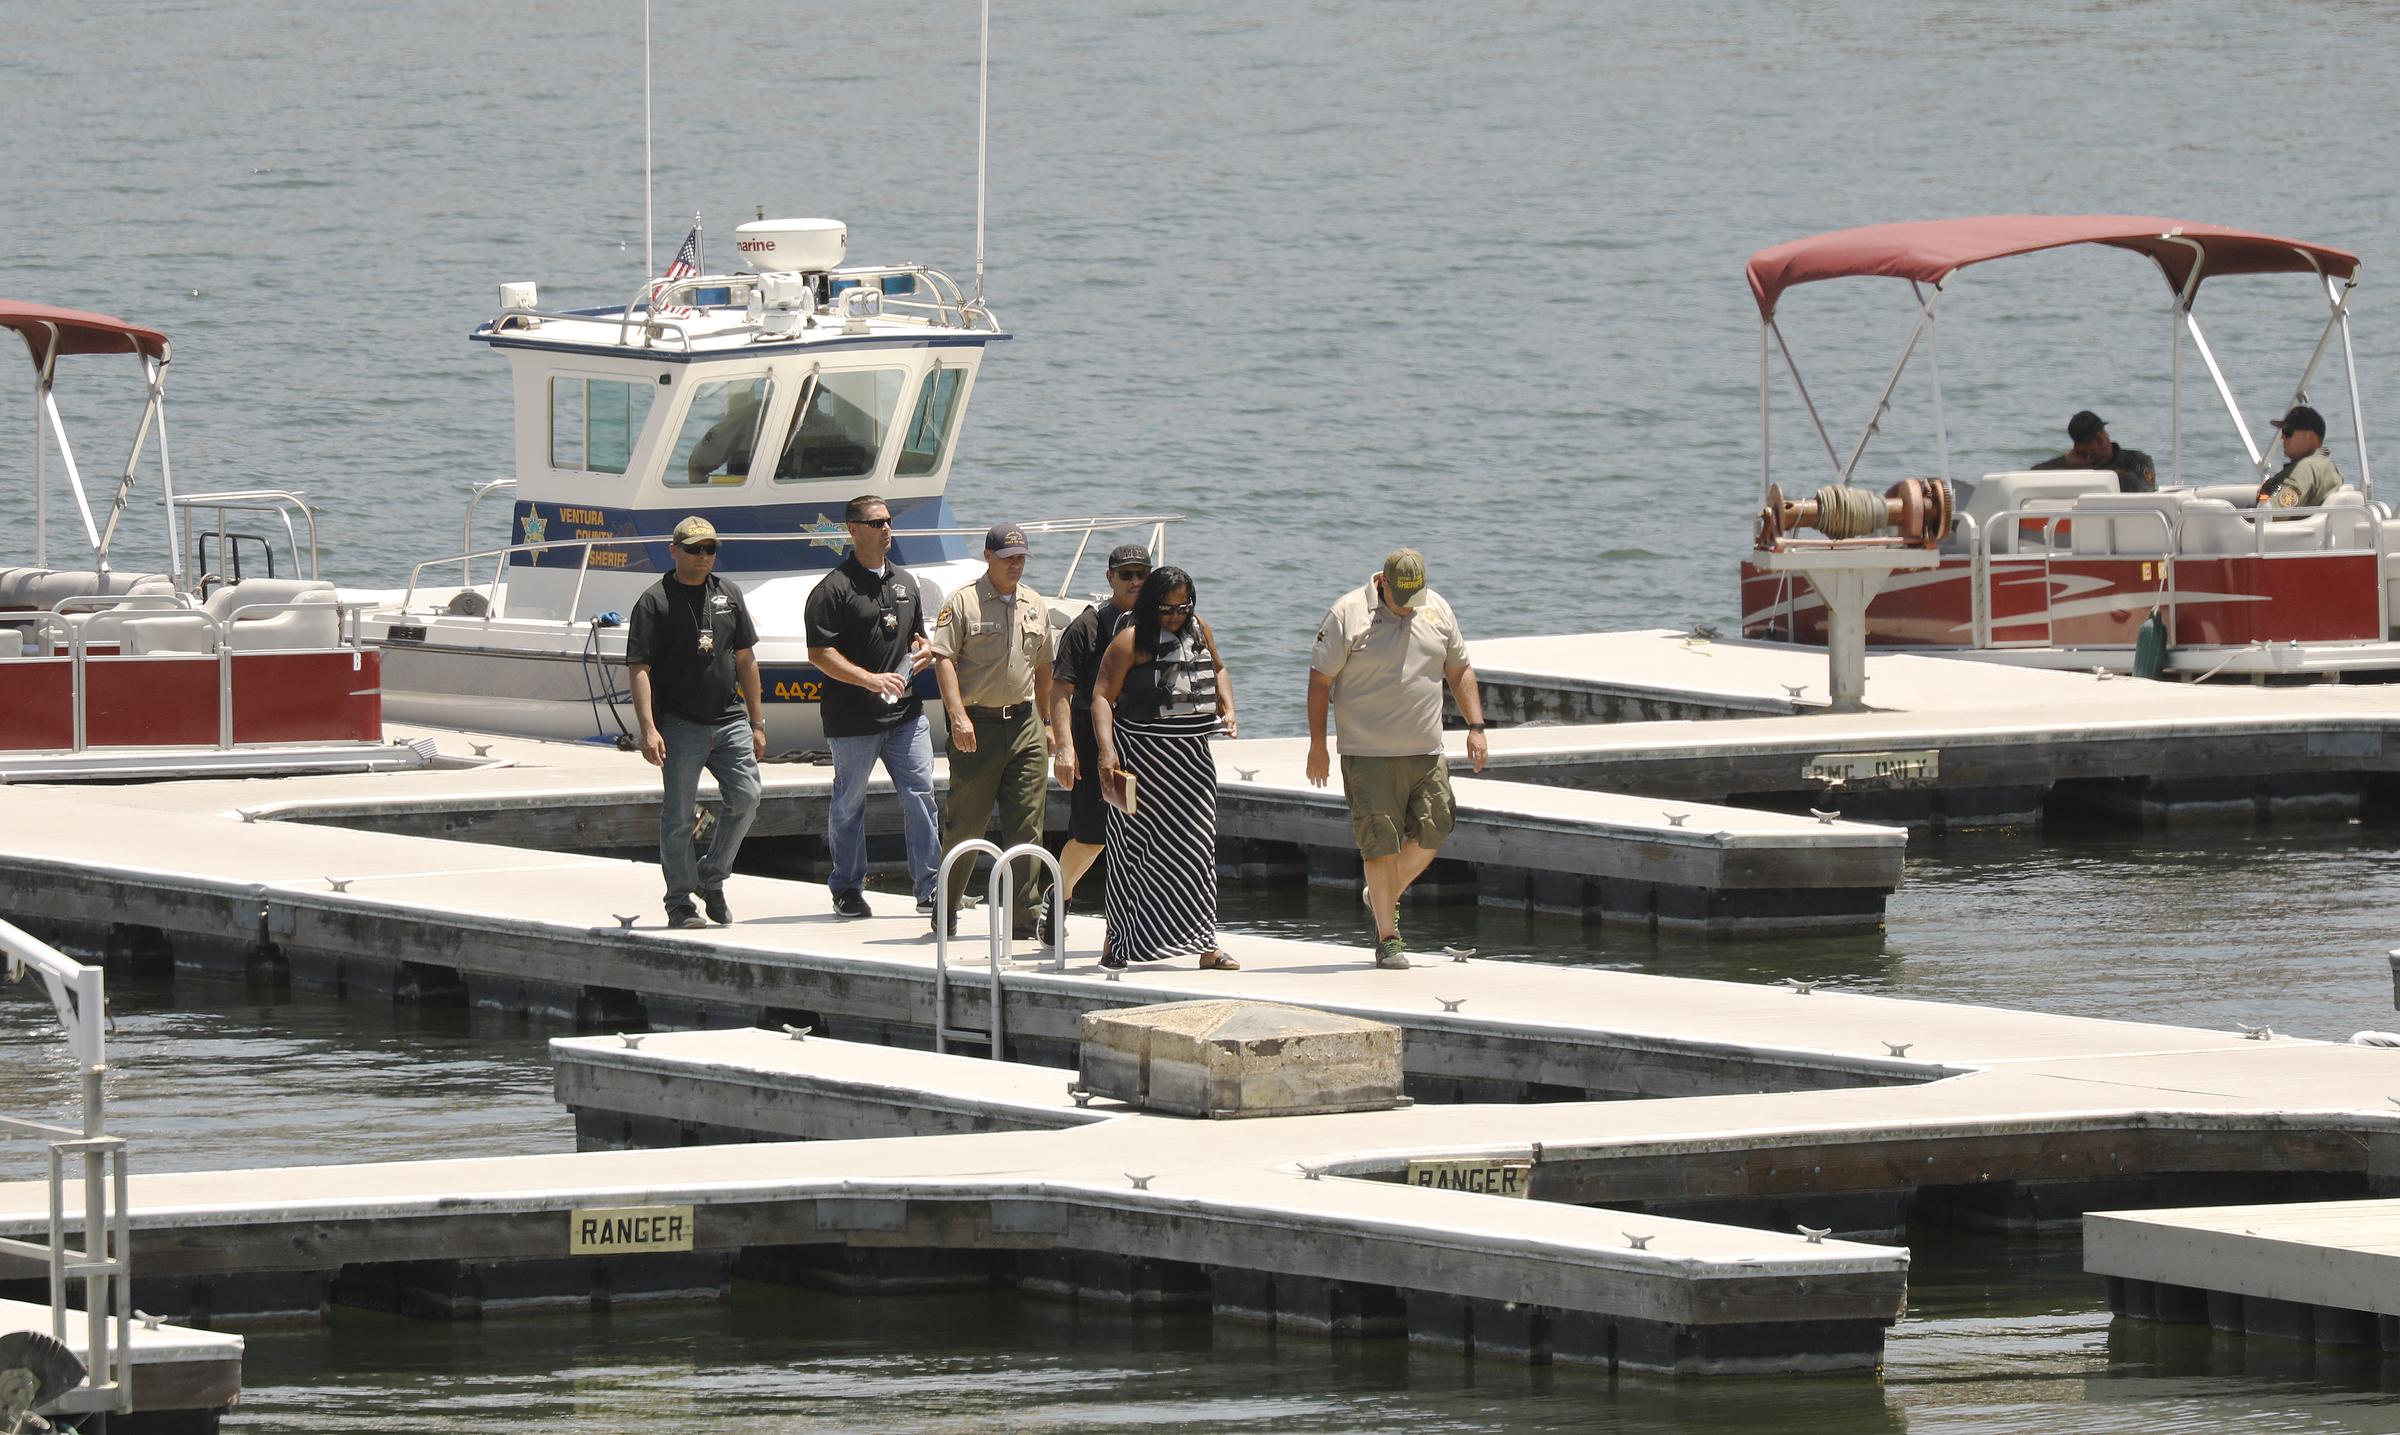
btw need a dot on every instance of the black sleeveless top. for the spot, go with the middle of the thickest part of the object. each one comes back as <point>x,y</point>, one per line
<point>1177,684</point>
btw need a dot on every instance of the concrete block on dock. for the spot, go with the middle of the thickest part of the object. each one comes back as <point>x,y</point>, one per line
<point>1238,1058</point>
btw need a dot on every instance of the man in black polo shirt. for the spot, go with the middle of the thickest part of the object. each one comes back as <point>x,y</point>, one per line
<point>1074,672</point>
<point>2093,448</point>
<point>866,632</point>
<point>690,649</point>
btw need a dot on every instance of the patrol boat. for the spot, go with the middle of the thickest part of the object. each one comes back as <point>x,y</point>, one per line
<point>760,399</point>
<point>2058,568</point>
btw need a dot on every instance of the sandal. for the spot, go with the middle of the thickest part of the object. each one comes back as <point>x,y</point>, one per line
<point>1217,961</point>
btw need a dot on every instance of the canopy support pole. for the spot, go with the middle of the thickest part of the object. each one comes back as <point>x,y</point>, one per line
<point>2358,406</point>
<point>2333,324</point>
<point>1883,401</point>
<point>154,378</point>
<point>66,457</point>
<point>2179,312</point>
<point>41,454</point>
<point>2240,425</point>
<point>1766,461</point>
<point>1793,369</point>
<point>1933,356</point>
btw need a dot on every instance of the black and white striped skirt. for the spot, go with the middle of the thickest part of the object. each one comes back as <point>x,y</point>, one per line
<point>1162,861</point>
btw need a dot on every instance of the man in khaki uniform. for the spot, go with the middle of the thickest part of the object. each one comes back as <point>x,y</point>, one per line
<point>992,652</point>
<point>1381,658</point>
<point>2309,478</point>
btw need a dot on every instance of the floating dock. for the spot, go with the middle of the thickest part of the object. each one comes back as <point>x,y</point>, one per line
<point>183,1379</point>
<point>1948,743</point>
<point>2324,1273</point>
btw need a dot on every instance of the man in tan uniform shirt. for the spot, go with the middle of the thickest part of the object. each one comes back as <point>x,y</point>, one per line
<point>992,652</point>
<point>1382,657</point>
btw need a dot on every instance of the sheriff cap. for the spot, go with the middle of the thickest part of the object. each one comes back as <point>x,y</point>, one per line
<point>1006,540</point>
<point>1404,576</point>
<point>2085,426</point>
<point>694,529</point>
<point>2302,417</point>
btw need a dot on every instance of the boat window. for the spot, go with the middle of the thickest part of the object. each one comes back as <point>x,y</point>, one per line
<point>593,423</point>
<point>842,425</point>
<point>928,432</point>
<point>719,433</point>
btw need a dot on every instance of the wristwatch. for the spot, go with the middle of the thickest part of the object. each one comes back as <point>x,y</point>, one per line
<point>1475,727</point>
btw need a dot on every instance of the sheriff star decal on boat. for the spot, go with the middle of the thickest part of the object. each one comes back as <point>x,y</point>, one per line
<point>826,533</point>
<point>536,527</point>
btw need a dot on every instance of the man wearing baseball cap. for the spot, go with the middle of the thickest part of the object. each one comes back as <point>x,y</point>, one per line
<point>690,650</point>
<point>991,654</point>
<point>1071,680</point>
<point>1381,659</point>
<point>2093,448</point>
<point>2308,477</point>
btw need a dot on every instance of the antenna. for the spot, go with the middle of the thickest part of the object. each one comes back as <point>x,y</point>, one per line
<point>983,97</point>
<point>649,226</point>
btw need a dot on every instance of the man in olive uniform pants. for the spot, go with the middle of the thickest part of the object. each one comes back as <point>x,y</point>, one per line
<point>2308,478</point>
<point>992,653</point>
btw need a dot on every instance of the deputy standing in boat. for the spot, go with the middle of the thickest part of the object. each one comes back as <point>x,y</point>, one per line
<point>1381,658</point>
<point>2093,448</point>
<point>2308,478</point>
<point>690,648</point>
<point>992,653</point>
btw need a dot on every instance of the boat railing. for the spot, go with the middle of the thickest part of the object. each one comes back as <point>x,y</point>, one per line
<point>2173,548</point>
<point>642,317</point>
<point>475,501</point>
<point>220,650</point>
<point>282,504</point>
<point>98,1255</point>
<point>1085,528</point>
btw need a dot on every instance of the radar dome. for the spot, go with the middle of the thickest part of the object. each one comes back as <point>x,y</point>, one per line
<point>792,245</point>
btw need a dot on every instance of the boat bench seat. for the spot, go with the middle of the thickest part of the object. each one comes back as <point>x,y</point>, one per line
<point>2130,523</point>
<point>28,594</point>
<point>315,623</point>
<point>12,643</point>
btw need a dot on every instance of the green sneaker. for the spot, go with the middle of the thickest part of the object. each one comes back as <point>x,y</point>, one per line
<point>1391,955</point>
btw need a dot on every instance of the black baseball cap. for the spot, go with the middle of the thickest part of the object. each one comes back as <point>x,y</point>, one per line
<point>1125,553</point>
<point>2302,417</point>
<point>1006,540</point>
<point>2085,426</point>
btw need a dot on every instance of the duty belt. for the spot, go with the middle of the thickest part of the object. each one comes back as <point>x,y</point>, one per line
<point>999,714</point>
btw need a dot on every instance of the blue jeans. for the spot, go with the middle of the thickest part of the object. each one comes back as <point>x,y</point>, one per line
<point>907,756</point>
<point>724,749</point>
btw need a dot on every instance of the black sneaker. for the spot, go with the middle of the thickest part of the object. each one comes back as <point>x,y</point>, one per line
<point>850,904</point>
<point>1043,916</point>
<point>925,906</point>
<point>685,917</point>
<point>949,927</point>
<point>712,901</point>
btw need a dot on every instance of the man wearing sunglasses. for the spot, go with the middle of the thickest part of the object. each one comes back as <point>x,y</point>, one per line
<point>1078,762</point>
<point>866,633</point>
<point>690,648</point>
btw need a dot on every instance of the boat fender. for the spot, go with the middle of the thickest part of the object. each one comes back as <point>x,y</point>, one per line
<point>2150,647</point>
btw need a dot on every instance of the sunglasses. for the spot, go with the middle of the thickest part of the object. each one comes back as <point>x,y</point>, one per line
<point>872,522</point>
<point>1132,575</point>
<point>709,549</point>
<point>1177,610</point>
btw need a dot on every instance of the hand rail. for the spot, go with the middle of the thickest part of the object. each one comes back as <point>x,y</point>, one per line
<point>475,501</point>
<point>998,893</point>
<point>466,561</point>
<point>104,1262</point>
<point>279,501</point>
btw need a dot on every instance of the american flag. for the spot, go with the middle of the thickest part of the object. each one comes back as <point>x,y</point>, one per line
<point>686,264</point>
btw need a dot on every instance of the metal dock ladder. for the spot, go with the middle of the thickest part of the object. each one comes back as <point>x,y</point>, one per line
<point>998,892</point>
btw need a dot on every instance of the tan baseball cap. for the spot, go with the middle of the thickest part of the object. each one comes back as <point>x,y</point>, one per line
<point>1404,576</point>
<point>693,530</point>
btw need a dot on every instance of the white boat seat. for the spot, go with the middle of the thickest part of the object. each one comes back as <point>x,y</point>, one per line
<point>2043,490</point>
<point>2146,527</point>
<point>47,587</point>
<point>316,624</point>
<point>12,643</point>
<point>2213,526</point>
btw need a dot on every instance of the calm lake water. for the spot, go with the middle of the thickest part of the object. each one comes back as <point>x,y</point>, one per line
<point>1326,279</point>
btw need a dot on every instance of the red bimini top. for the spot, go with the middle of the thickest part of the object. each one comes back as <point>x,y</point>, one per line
<point>1931,250</point>
<point>78,332</point>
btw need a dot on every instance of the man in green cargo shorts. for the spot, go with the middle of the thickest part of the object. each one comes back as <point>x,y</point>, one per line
<point>1381,658</point>
<point>992,651</point>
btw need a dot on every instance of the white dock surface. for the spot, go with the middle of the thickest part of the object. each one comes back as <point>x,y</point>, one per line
<point>2340,1254</point>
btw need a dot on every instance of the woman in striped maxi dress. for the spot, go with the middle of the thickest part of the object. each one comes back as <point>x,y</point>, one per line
<point>1161,694</point>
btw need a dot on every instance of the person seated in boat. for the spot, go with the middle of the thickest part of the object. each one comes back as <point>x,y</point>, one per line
<point>723,453</point>
<point>2093,448</point>
<point>2308,477</point>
